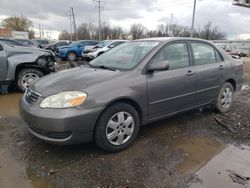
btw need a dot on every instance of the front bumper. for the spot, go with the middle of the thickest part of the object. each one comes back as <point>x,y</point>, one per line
<point>60,126</point>
<point>87,56</point>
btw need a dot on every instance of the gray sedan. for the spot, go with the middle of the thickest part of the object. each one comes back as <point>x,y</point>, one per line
<point>131,85</point>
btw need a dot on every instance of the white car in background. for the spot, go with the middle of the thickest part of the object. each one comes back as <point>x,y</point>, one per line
<point>101,48</point>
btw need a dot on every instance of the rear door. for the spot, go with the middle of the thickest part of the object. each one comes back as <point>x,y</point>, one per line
<point>209,69</point>
<point>174,89</point>
<point>3,63</point>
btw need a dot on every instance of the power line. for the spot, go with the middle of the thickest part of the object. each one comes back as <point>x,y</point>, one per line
<point>99,5</point>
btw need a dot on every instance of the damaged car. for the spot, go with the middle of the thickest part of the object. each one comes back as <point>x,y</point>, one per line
<point>24,65</point>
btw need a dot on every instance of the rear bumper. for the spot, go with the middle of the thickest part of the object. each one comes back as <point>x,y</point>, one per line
<point>60,126</point>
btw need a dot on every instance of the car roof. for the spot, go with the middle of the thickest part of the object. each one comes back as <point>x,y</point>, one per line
<point>164,39</point>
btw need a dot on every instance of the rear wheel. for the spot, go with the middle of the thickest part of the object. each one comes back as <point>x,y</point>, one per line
<point>225,98</point>
<point>71,56</point>
<point>28,76</point>
<point>117,127</point>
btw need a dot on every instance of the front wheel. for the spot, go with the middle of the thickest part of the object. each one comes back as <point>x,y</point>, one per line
<point>117,127</point>
<point>225,98</point>
<point>71,56</point>
<point>28,76</point>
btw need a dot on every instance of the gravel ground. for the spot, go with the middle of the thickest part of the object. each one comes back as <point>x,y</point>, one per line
<point>166,153</point>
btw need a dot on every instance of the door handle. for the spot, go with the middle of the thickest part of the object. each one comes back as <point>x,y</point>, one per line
<point>189,73</point>
<point>221,67</point>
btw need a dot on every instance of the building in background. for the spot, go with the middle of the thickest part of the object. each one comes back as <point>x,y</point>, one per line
<point>13,34</point>
<point>5,32</point>
<point>20,34</point>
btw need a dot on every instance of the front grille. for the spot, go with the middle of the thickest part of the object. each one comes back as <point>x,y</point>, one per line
<point>32,96</point>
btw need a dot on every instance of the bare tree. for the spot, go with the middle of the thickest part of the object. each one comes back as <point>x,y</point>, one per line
<point>137,31</point>
<point>83,31</point>
<point>209,32</point>
<point>64,35</point>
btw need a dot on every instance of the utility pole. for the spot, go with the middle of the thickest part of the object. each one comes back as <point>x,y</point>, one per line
<point>192,28</point>
<point>170,32</point>
<point>40,34</point>
<point>69,13</point>
<point>99,6</point>
<point>74,23</point>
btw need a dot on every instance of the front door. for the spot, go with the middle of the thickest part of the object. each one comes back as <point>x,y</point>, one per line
<point>172,90</point>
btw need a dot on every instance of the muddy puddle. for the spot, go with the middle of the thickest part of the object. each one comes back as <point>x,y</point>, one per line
<point>212,164</point>
<point>197,152</point>
<point>230,169</point>
<point>9,104</point>
<point>15,174</point>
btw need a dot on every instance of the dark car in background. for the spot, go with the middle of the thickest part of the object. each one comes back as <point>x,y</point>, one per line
<point>42,42</point>
<point>29,43</point>
<point>231,48</point>
<point>52,47</point>
<point>11,42</point>
<point>131,85</point>
<point>74,50</point>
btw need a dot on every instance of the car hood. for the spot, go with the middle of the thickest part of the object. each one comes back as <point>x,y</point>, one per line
<point>25,50</point>
<point>78,78</point>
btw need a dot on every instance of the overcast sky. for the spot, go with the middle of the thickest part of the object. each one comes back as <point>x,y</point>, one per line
<point>52,14</point>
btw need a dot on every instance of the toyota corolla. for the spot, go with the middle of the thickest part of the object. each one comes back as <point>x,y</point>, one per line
<point>131,85</point>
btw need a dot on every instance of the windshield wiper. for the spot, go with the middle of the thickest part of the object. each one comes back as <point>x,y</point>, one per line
<point>103,67</point>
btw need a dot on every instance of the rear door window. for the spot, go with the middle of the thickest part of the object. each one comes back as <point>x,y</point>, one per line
<point>203,53</point>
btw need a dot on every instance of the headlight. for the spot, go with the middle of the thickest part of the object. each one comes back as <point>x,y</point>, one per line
<point>64,99</point>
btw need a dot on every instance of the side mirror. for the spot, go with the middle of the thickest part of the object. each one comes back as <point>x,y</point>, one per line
<point>111,46</point>
<point>159,66</point>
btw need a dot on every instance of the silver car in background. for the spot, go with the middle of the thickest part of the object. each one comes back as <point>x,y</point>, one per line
<point>102,47</point>
<point>131,85</point>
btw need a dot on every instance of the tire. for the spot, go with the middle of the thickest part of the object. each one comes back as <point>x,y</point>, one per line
<point>27,76</point>
<point>121,135</point>
<point>71,56</point>
<point>225,98</point>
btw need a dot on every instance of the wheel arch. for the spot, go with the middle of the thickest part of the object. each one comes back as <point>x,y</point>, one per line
<point>22,66</point>
<point>126,100</point>
<point>232,82</point>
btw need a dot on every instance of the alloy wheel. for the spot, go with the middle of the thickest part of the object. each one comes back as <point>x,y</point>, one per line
<point>120,128</point>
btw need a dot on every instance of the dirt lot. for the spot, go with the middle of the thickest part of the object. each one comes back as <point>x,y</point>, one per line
<point>195,149</point>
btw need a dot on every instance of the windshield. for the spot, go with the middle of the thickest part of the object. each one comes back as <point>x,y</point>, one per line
<point>103,43</point>
<point>126,56</point>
